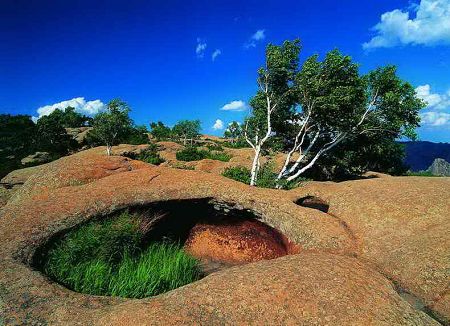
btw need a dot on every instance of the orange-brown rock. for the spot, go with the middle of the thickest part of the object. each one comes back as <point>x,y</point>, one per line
<point>237,241</point>
<point>375,230</point>
<point>304,289</point>
<point>401,225</point>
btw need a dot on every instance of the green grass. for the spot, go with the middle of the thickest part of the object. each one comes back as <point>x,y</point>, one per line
<point>108,258</point>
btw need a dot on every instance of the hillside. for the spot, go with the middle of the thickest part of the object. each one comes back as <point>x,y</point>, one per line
<point>421,154</point>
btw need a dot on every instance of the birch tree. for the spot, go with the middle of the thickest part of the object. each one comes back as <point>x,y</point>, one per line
<point>337,103</point>
<point>273,100</point>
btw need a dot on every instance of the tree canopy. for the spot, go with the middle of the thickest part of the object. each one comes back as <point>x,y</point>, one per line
<point>111,125</point>
<point>233,131</point>
<point>187,129</point>
<point>160,131</point>
<point>325,103</point>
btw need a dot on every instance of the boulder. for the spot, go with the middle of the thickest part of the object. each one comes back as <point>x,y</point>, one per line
<point>79,134</point>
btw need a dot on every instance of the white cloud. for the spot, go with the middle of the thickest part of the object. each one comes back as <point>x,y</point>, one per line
<point>79,103</point>
<point>259,35</point>
<point>430,26</point>
<point>436,114</point>
<point>435,119</point>
<point>215,54</point>
<point>234,106</point>
<point>200,48</point>
<point>218,125</point>
<point>434,100</point>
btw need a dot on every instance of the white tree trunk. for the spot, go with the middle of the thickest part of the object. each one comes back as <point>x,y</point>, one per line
<point>108,150</point>
<point>323,150</point>
<point>259,142</point>
<point>294,172</point>
<point>255,166</point>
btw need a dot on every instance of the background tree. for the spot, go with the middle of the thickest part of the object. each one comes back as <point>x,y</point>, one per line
<point>112,125</point>
<point>17,133</point>
<point>274,101</point>
<point>160,131</point>
<point>233,131</point>
<point>136,135</point>
<point>51,136</point>
<point>187,129</point>
<point>68,118</point>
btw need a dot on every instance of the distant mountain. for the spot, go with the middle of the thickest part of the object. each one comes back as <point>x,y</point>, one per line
<point>421,154</point>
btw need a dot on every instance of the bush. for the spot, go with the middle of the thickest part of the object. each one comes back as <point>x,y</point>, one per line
<point>266,177</point>
<point>240,143</point>
<point>219,156</point>
<point>177,165</point>
<point>238,173</point>
<point>108,258</point>
<point>192,153</point>
<point>214,147</point>
<point>151,155</point>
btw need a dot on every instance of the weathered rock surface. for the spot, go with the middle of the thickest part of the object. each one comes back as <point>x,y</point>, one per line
<point>305,289</point>
<point>36,158</point>
<point>395,227</point>
<point>13,181</point>
<point>440,167</point>
<point>401,225</point>
<point>79,134</point>
<point>239,241</point>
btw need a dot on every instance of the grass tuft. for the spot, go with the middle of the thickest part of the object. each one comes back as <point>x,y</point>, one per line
<point>108,258</point>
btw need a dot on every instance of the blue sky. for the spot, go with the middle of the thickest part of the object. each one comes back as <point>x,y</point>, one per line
<point>158,55</point>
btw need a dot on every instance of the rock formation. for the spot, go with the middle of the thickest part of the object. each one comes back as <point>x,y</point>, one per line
<point>440,167</point>
<point>36,158</point>
<point>378,255</point>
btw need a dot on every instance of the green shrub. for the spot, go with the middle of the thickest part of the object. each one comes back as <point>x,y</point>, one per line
<point>219,156</point>
<point>266,177</point>
<point>151,155</point>
<point>192,153</point>
<point>109,258</point>
<point>214,147</point>
<point>238,173</point>
<point>240,143</point>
